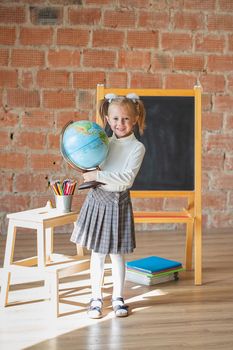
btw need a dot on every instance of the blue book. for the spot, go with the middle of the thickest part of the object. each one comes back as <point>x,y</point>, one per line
<point>153,264</point>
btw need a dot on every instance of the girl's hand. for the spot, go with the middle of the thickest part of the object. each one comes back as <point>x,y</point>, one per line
<point>90,176</point>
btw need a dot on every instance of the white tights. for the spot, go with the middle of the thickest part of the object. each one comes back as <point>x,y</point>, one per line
<point>97,271</point>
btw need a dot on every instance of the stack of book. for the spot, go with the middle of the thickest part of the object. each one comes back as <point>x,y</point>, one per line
<point>152,270</point>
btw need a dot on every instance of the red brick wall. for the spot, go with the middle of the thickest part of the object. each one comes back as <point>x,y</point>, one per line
<point>54,52</point>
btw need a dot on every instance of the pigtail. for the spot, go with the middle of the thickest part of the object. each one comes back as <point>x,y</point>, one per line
<point>141,116</point>
<point>103,110</point>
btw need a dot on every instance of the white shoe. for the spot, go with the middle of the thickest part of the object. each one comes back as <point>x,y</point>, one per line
<point>119,307</point>
<point>95,308</point>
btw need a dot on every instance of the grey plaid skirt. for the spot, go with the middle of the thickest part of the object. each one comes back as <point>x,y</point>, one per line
<point>105,223</point>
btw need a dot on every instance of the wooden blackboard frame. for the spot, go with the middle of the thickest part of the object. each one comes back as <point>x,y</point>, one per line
<point>192,215</point>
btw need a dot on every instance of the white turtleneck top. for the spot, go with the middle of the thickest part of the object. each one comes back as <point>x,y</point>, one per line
<point>122,164</point>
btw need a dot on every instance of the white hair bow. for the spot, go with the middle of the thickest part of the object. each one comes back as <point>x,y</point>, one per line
<point>110,97</point>
<point>132,96</point>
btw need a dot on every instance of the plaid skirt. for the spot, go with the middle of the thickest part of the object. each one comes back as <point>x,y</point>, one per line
<point>105,223</point>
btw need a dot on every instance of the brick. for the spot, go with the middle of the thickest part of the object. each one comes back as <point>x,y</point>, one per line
<point>85,100</point>
<point>46,15</point>
<point>166,5</point>
<point>212,83</point>
<point>229,122</point>
<point>84,16</point>
<point>188,62</point>
<point>153,19</point>
<point>8,78</point>
<point>36,36</point>
<point>134,3</point>
<point>175,203</point>
<point>225,5</point>
<point>176,41</point>
<point>210,43</point>
<point>143,39</point>
<point>108,38</point>
<point>30,183</point>
<point>153,203</point>
<point>230,83</point>
<point>189,21</point>
<point>59,99</point>
<point>38,118</point>
<point>223,103</point>
<point>8,119</point>
<point>10,14</point>
<point>13,160</point>
<point>97,2</point>
<point>220,22</point>
<point>161,62</point>
<point>146,80</point>
<point>64,58</point>
<point>49,79</point>
<point>27,58</point>
<point>85,80</point>
<point>72,37</point>
<point>219,142</point>
<point>5,140</point>
<point>119,19</point>
<point>23,98</point>
<point>4,55</point>
<point>212,121</point>
<point>47,161</point>
<point>230,42</point>
<point>206,102</point>
<point>212,161</point>
<point>221,63</point>
<point>99,58</point>
<point>179,81</point>
<point>134,59</point>
<point>26,80</point>
<point>117,79</point>
<point>205,179</point>
<point>6,183</point>
<point>200,5</point>
<point>14,203</point>
<point>7,36</point>
<point>222,219</point>
<point>54,141</point>
<point>230,201</point>
<point>222,181</point>
<point>214,200</point>
<point>31,140</point>
<point>228,164</point>
<point>65,117</point>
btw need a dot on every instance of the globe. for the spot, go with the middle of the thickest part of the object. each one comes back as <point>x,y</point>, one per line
<point>84,145</point>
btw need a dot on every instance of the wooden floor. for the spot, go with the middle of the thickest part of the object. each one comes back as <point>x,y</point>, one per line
<point>173,315</point>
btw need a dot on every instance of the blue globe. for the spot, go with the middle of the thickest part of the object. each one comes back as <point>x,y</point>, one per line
<point>84,144</point>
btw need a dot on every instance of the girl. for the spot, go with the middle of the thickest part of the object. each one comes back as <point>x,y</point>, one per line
<point>105,224</point>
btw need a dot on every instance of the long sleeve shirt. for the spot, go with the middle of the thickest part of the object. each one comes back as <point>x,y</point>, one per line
<point>122,164</point>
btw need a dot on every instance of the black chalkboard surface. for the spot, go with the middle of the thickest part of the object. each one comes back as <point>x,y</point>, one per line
<point>169,140</point>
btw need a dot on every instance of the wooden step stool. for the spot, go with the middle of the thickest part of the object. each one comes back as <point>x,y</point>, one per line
<point>46,265</point>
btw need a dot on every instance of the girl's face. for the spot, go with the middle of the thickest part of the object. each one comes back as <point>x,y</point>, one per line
<point>120,121</point>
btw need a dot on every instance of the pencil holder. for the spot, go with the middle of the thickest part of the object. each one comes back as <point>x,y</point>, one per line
<point>63,203</point>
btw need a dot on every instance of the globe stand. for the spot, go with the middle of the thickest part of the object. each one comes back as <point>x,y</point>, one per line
<point>84,185</point>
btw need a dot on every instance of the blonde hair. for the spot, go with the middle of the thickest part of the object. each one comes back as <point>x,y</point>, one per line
<point>135,107</point>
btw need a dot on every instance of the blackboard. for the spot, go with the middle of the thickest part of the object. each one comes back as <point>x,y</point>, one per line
<point>169,140</point>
